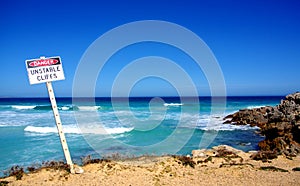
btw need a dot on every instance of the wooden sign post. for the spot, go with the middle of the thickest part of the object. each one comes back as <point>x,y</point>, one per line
<point>47,70</point>
<point>62,137</point>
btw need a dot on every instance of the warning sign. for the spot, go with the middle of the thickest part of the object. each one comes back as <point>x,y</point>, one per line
<point>44,70</point>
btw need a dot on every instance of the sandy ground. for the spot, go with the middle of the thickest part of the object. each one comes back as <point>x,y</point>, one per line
<point>171,171</point>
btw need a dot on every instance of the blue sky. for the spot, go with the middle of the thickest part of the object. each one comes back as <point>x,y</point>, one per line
<point>256,43</point>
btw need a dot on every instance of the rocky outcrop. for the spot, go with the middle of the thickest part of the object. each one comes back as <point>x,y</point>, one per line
<point>279,124</point>
<point>220,151</point>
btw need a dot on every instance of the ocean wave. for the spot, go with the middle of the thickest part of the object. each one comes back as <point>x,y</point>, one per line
<point>49,107</point>
<point>215,122</point>
<point>255,106</point>
<point>228,127</point>
<point>75,130</point>
<point>173,104</point>
<point>89,108</point>
<point>23,107</point>
<point>39,107</point>
<point>206,122</point>
<point>65,108</point>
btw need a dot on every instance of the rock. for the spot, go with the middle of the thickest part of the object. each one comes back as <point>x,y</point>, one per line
<point>78,170</point>
<point>294,97</point>
<point>264,155</point>
<point>219,155</point>
<point>198,153</point>
<point>219,148</point>
<point>219,151</point>
<point>280,124</point>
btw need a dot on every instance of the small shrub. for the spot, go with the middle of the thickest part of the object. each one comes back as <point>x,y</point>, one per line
<point>272,168</point>
<point>206,160</point>
<point>115,156</point>
<point>223,153</point>
<point>16,171</point>
<point>264,156</point>
<point>88,160</point>
<point>235,164</point>
<point>296,169</point>
<point>186,161</point>
<point>56,165</point>
<point>31,169</point>
<point>4,183</point>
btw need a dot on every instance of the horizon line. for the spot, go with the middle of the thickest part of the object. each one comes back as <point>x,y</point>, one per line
<point>46,97</point>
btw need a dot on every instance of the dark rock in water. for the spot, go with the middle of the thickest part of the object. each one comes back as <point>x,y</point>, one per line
<point>279,124</point>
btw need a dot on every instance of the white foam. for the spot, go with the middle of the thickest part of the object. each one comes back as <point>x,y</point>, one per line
<point>255,106</point>
<point>173,104</point>
<point>89,108</point>
<point>23,107</point>
<point>118,130</point>
<point>75,130</point>
<point>40,129</point>
<point>229,127</point>
<point>215,122</point>
<point>65,108</point>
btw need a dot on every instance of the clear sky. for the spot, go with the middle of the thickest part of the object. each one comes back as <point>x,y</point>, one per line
<point>257,43</point>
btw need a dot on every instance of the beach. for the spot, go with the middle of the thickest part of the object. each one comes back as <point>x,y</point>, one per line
<point>168,170</point>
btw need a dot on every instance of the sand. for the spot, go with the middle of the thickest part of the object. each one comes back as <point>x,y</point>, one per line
<point>168,170</point>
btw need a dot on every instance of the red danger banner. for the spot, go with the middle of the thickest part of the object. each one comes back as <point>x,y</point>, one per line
<point>44,70</point>
<point>43,62</point>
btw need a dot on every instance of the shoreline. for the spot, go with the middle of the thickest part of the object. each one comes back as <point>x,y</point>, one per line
<point>219,165</point>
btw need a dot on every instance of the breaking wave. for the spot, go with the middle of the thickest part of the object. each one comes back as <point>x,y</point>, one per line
<point>75,130</point>
<point>173,104</point>
<point>49,107</point>
<point>215,122</point>
<point>255,106</point>
<point>23,107</point>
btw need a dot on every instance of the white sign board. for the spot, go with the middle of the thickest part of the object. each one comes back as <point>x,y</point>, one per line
<point>44,70</point>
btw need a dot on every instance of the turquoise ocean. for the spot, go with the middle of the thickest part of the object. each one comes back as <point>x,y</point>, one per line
<point>130,127</point>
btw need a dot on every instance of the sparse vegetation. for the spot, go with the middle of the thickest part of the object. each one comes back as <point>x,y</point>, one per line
<point>31,169</point>
<point>264,156</point>
<point>157,171</point>
<point>296,169</point>
<point>235,164</point>
<point>186,161</point>
<point>223,153</point>
<point>272,168</point>
<point>56,165</point>
<point>88,160</point>
<point>16,171</point>
<point>205,161</point>
<point>4,183</point>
